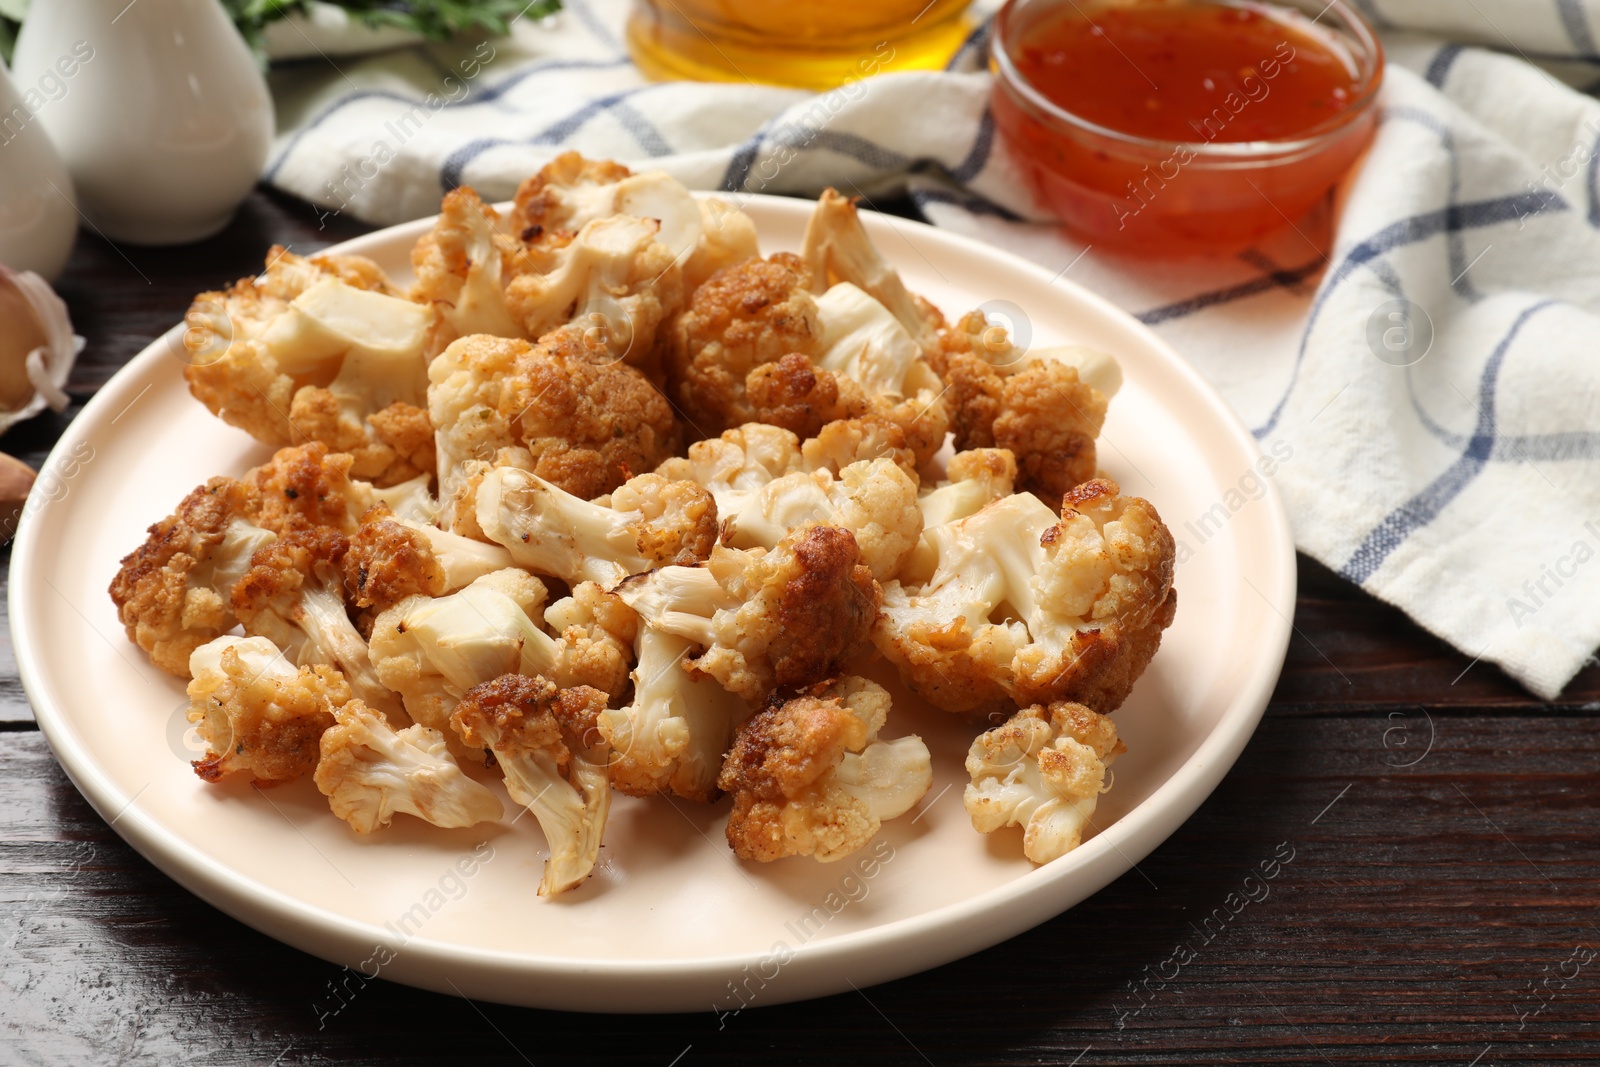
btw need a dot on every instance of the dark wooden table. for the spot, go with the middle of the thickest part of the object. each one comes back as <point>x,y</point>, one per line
<point>1442,904</point>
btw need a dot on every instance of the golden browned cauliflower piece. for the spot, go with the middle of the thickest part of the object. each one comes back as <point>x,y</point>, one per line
<point>461,267</point>
<point>431,650</point>
<point>809,776</point>
<point>744,317</point>
<point>1044,770</point>
<point>837,250</point>
<point>391,558</point>
<point>546,742</point>
<point>648,521</point>
<point>293,595</point>
<point>1025,607</point>
<point>368,770</point>
<point>571,191</point>
<point>1046,406</point>
<point>318,350</point>
<point>172,591</point>
<point>766,620</point>
<point>582,426</point>
<point>754,345</point>
<point>258,713</point>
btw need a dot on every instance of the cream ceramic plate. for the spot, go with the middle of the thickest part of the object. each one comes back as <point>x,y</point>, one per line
<point>670,918</point>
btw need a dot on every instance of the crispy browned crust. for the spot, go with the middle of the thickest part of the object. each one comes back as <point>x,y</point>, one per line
<point>588,426</point>
<point>278,571</point>
<point>744,316</point>
<point>801,397</point>
<point>536,215</point>
<point>385,563</point>
<point>150,588</point>
<point>528,713</point>
<point>303,487</point>
<point>689,529</point>
<point>1112,661</point>
<point>406,432</point>
<point>826,610</point>
<point>778,758</point>
<point>1049,419</point>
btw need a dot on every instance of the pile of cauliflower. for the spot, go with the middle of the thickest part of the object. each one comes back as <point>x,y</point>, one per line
<point>605,501</point>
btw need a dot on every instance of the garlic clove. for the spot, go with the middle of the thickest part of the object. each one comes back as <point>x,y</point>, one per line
<point>37,347</point>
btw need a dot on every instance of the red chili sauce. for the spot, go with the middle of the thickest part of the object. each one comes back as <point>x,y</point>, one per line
<point>1165,83</point>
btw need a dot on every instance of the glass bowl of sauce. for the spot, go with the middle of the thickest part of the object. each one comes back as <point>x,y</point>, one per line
<point>1179,126</point>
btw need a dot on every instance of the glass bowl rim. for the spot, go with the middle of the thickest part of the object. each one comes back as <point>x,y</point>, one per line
<point>1370,50</point>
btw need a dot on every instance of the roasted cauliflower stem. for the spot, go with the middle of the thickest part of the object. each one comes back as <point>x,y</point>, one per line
<point>293,595</point>
<point>646,522</point>
<point>1047,406</point>
<point>581,426</point>
<point>1025,607</point>
<point>973,480</point>
<point>172,592</point>
<point>1043,769</point>
<point>837,249</point>
<point>368,770</point>
<point>553,755</point>
<point>809,776</point>
<point>319,351</point>
<point>258,713</point>
<point>431,650</point>
<point>863,344</point>
<point>672,735</point>
<point>571,191</point>
<point>766,620</point>
<point>390,558</point>
<point>461,268</point>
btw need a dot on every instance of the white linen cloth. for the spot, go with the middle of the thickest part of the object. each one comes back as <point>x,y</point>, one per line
<point>1464,488</point>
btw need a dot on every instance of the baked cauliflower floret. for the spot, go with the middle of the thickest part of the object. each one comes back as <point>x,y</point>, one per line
<point>745,316</point>
<point>431,650</point>
<point>172,591</point>
<point>571,191</point>
<point>837,249</point>
<point>1027,607</point>
<point>809,776</point>
<point>391,558</point>
<point>582,426</point>
<point>258,713</point>
<point>461,266</point>
<point>755,345</point>
<point>308,487</point>
<point>676,729</point>
<point>1046,405</point>
<point>368,770</point>
<point>553,756</point>
<point>293,595</point>
<point>646,522</point>
<point>1043,769</point>
<point>313,351</point>
<point>875,500</point>
<point>766,620</point>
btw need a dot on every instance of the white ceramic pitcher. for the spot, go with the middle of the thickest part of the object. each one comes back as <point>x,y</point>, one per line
<point>38,219</point>
<point>164,120</point>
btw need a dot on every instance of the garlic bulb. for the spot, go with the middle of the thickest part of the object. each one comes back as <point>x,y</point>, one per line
<point>37,347</point>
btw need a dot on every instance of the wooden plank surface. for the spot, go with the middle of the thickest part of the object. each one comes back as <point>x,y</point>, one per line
<point>1431,833</point>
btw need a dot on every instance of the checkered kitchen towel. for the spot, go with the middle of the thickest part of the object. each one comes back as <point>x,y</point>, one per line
<point>1464,487</point>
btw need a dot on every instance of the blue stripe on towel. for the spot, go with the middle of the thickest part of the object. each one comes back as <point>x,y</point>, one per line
<point>1421,509</point>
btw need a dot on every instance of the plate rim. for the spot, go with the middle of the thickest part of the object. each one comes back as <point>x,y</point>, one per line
<point>1035,896</point>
